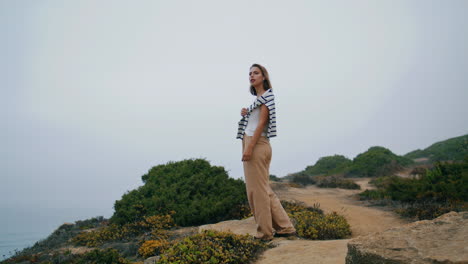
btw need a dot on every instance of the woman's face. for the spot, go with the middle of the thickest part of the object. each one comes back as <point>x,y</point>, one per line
<point>255,76</point>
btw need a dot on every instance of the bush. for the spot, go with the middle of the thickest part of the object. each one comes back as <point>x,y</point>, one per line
<point>98,256</point>
<point>439,190</point>
<point>153,247</point>
<point>312,223</point>
<point>293,206</point>
<point>198,192</point>
<point>426,210</point>
<point>302,179</point>
<point>336,182</point>
<point>152,226</point>
<point>274,178</point>
<point>90,223</point>
<point>213,247</point>
<point>372,195</point>
<point>444,182</point>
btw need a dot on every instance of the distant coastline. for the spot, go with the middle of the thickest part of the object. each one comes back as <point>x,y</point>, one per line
<point>22,226</point>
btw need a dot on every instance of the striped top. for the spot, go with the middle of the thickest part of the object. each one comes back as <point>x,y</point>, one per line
<point>268,98</point>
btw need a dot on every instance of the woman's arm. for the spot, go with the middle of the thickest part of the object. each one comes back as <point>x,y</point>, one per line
<point>258,131</point>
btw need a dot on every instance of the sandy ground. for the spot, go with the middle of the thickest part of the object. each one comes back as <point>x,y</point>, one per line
<point>363,220</point>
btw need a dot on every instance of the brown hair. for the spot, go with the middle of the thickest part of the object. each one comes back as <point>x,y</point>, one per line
<point>266,82</point>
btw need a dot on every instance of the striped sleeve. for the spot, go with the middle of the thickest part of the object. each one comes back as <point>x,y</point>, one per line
<point>268,99</point>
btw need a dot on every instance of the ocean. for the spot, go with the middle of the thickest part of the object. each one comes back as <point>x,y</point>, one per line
<point>22,227</point>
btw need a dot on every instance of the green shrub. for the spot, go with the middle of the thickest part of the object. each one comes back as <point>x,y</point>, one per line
<point>153,247</point>
<point>336,182</point>
<point>90,223</point>
<point>312,223</point>
<point>383,181</point>
<point>427,209</point>
<point>98,256</point>
<point>213,247</point>
<point>439,190</point>
<point>444,182</point>
<point>302,179</point>
<point>153,226</point>
<point>292,207</point>
<point>372,195</point>
<point>274,178</point>
<point>198,192</point>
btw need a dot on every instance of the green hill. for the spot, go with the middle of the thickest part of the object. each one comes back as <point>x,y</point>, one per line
<point>376,161</point>
<point>454,149</point>
<point>328,165</point>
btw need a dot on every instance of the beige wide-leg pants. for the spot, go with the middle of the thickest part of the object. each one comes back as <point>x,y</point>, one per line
<point>263,202</point>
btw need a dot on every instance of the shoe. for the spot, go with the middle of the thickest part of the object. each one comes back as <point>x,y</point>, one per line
<point>286,234</point>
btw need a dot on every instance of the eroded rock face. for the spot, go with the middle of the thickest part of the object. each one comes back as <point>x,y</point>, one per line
<point>441,240</point>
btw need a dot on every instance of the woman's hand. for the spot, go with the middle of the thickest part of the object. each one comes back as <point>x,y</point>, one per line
<point>247,154</point>
<point>243,111</point>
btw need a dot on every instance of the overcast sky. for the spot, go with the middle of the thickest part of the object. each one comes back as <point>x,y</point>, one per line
<point>95,93</point>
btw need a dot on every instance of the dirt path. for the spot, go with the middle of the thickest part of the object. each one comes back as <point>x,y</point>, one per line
<point>363,220</point>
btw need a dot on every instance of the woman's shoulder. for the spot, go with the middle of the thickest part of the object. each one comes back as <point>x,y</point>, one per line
<point>267,96</point>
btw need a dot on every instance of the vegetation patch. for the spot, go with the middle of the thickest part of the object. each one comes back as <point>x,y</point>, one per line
<point>213,247</point>
<point>329,165</point>
<point>152,227</point>
<point>438,191</point>
<point>336,181</point>
<point>58,238</point>
<point>454,149</point>
<point>198,192</point>
<point>275,178</point>
<point>376,161</point>
<point>312,223</point>
<point>294,206</point>
<point>302,179</point>
<point>153,247</point>
<point>95,256</point>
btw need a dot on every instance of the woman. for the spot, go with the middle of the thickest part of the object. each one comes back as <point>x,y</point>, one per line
<point>257,126</point>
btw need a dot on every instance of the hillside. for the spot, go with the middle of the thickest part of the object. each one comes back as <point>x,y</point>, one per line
<point>454,149</point>
<point>376,161</point>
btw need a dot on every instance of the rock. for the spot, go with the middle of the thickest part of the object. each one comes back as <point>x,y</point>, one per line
<point>305,252</point>
<point>441,240</point>
<point>152,260</point>
<point>240,227</point>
